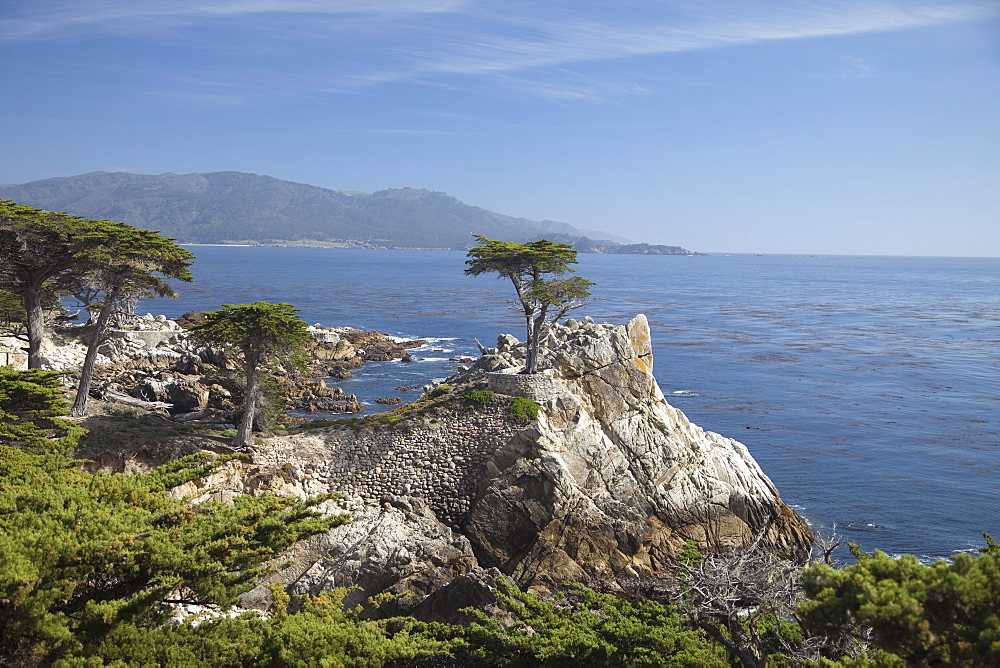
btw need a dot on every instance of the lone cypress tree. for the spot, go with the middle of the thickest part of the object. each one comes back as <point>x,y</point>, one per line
<point>536,270</point>
<point>262,334</point>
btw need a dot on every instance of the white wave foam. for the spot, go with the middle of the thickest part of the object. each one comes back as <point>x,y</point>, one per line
<point>924,559</point>
<point>684,393</point>
<point>431,340</point>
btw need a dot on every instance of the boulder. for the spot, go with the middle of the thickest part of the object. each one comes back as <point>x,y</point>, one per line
<point>399,548</point>
<point>184,393</point>
<point>309,394</point>
<point>190,318</point>
<point>475,589</point>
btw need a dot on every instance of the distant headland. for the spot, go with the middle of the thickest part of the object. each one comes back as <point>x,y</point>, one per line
<point>236,208</point>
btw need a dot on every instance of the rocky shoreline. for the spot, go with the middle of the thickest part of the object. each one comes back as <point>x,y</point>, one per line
<point>606,485</point>
<point>153,364</point>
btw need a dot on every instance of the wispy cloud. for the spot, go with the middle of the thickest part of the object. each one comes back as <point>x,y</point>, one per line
<point>856,68</point>
<point>533,52</point>
<point>560,43</point>
<point>28,21</point>
<point>569,86</point>
<point>539,49</point>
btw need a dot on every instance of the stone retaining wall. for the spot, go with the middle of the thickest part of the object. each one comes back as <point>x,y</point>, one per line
<point>14,358</point>
<point>442,462</point>
<point>537,387</point>
<point>12,352</point>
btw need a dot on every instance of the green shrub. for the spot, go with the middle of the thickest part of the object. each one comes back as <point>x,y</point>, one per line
<point>321,633</point>
<point>523,410</point>
<point>31,401</point>
<point>88,556</point>
<point>944,613</point>
<point>585,628</point>
<point>481,397</point>
<point>229,433</point>
<point>690,555</point>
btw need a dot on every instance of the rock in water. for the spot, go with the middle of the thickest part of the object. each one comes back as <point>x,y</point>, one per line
<point>611,480</point>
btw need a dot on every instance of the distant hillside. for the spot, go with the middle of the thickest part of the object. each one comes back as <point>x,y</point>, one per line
<point>234,207</point>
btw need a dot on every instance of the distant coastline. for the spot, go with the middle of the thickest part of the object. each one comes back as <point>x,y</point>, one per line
<point>607,249</point>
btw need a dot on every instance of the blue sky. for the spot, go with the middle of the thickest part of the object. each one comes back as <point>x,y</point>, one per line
<point>796,126</point>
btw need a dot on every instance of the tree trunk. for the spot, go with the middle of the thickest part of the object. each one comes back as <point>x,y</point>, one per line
<point>33,295</point>
<point>533,345</point>
<point>530,365</point>
<point>735,643</point>
<point>537,324</point>
<point>87,373</point>
<point>244,436</point>
<point>529,313</point>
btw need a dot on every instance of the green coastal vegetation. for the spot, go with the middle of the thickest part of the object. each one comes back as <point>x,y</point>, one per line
<point>100,569</point>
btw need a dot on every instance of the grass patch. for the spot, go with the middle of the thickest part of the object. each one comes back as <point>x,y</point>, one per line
<point>130,431</point>
<point>523,410</point>
<point>418,408</point>
<point>480,397</point>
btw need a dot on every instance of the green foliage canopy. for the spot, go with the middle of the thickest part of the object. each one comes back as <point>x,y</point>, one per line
<point>131,263</point>
<point>37,247</point>
<point>31,402</point>
<point>84,555</point>
<point>320,633</point>
<point>43,253</point>
<point>945,613</point>
<point>586,628</point>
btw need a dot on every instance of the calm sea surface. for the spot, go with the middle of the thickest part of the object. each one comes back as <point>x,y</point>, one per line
<point>868,388</point>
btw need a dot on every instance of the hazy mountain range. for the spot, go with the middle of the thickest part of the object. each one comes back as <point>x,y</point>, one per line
<point>235,207</point>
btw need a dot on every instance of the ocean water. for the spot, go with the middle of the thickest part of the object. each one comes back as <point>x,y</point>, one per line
<point>868,388</point>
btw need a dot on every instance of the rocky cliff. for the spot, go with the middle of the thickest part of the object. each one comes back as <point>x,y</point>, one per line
<point>604,487</point>
<point>611,480</point>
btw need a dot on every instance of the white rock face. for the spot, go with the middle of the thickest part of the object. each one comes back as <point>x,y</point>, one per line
<point>611,480</point>
<point>64,355</point>
<point>399,548</point>
<point>148,338</point>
